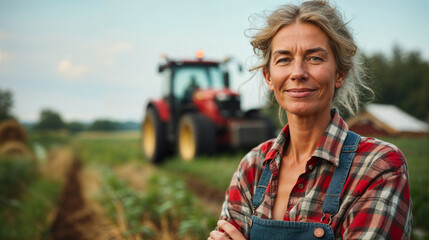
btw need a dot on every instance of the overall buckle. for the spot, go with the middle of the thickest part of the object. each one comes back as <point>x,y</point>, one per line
<point>323,218</point>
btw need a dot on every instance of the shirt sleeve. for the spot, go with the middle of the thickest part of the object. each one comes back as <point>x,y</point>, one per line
<point>383,211</point>
<point>238,208</point>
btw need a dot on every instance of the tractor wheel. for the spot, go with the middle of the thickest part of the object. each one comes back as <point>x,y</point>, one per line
<point>153,137</point>
<point>196,136</point>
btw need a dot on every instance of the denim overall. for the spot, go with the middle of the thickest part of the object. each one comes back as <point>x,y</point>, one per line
<point>273,229</point>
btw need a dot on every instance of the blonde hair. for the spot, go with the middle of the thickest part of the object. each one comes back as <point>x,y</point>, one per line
<point>330,21</point>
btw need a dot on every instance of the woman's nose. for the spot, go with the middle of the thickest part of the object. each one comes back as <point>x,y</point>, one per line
<point>299,72</point>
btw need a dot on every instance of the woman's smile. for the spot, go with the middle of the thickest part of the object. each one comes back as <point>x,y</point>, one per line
<point>300,92</point>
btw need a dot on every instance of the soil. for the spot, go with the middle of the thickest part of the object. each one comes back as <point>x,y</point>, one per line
<point>209,197</point>
<point>78,217</point>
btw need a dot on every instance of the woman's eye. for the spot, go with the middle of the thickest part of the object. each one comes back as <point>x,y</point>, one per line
<point>315,59</point>
<point>283,60</point>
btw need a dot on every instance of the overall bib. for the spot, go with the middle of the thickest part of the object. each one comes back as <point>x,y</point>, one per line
<point>263,229</point>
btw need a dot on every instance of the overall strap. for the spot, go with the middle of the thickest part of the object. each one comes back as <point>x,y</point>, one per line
<point>331,203</point>
<point>262,185</point>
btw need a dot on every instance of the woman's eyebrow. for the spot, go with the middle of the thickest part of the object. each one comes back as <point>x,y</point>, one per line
<point>308,51</point>
<point>314,50</point>
<point>282,52</point>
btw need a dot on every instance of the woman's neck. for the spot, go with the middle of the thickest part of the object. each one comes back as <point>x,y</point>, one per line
<point>305,133</point>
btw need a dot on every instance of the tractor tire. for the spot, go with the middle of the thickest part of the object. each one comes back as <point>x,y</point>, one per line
<point>196,136</point>
<point>153,137</point>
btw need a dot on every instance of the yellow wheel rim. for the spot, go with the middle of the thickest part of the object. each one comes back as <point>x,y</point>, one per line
<point>187,144</point>
<point>149,137</point>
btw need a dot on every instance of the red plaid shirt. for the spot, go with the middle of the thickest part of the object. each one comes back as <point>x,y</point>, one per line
<point>375,201</point>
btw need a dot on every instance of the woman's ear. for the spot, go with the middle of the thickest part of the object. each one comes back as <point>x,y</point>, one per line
<point>267,76</point>
<point>339,79</point>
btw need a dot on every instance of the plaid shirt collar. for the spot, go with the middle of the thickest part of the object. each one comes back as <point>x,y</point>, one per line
<point>329,146</point>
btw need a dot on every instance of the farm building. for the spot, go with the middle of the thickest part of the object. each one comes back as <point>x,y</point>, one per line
<point>387,120</point>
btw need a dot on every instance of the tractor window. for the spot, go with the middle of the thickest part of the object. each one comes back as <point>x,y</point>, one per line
<point>166,84</point>
<point>189,78</point>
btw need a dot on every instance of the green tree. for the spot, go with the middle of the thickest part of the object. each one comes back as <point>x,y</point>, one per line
<point>103,125</point>
<point>401,79</point>
<point>6,104</point>
<point>50,120</point>
<point>75,127</point>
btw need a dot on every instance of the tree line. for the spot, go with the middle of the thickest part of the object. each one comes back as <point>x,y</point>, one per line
<point>51,120</point>
<point>401,79</point>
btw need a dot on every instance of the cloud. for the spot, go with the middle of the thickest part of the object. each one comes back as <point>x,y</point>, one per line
<point>121,47</point>
<point>70,70</point>
<point>111,52</point>
<point>99,59</point>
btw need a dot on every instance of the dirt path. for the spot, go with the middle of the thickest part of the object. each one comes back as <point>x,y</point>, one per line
<point>78,217</point>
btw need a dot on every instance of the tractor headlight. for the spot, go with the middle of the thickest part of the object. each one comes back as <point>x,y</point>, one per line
<point>229,105</point>
<point>222,97</point>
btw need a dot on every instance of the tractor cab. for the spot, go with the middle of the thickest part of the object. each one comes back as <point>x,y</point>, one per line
<point>183,78</point>
<point>201,86</point>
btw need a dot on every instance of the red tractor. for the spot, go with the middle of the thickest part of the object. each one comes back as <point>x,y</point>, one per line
<point>199,114</point>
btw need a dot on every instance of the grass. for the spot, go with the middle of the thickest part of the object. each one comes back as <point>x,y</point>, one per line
<point>15,175</point>
<point>48,139</point>
<point>108,151</point>
<point>215,171</point>
<point>28,218</point>
<point>26,200</point>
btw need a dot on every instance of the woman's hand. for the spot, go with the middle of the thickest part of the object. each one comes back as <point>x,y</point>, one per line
<point>230,232</point>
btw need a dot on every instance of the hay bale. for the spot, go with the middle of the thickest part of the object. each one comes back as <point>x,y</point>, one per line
<point>15,148</point>
<point>11,130</point>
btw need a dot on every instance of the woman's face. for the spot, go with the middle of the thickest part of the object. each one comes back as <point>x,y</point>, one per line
<point>302,70</point>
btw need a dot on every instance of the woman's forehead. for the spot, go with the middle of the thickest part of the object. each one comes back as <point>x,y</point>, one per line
<point>300,36</point>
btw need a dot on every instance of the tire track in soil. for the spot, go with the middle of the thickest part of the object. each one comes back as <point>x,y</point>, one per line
<point>77,218</point>
<point>210,197</point>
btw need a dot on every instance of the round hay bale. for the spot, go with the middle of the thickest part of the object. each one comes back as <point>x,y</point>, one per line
<point>15,148</point>
<point>11,130</point>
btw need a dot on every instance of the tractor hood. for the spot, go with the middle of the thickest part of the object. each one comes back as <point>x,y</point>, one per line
<point>218,105</point>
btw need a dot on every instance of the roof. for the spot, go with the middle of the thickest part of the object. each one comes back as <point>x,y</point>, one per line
<point>173,63</point>
<point>396,118</point>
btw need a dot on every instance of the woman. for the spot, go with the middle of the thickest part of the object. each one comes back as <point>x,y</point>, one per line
<point>317,179</point>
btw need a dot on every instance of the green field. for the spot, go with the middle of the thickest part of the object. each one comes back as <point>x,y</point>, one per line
<point>175,200</point>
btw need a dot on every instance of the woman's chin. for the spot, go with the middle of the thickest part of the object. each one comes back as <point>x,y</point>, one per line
<point>304,110</point>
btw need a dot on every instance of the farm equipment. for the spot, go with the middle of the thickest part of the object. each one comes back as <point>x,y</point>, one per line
<point>199,114</point>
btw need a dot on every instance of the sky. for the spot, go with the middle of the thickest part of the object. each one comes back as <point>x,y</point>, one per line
<point>96,59</point>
